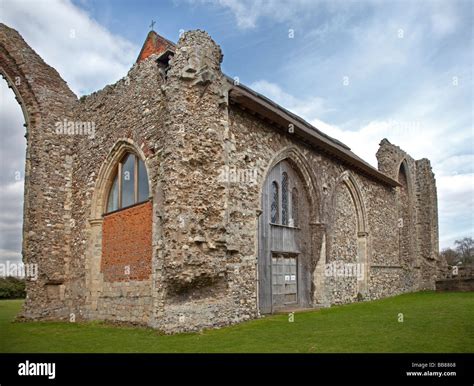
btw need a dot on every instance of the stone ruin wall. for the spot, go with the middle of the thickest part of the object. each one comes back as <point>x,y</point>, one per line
<point>207,279</point>
<point>44,98</point>
<point>204,233</point>
<point>256,143</point>
<point>423,237</point>
<point>128,113</point>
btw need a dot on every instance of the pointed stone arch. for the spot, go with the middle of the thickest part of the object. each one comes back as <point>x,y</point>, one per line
<point>106,174</point>
<point>103,183</point>
<point>403,166</point>
<point>311,234</point>
<point>405,204</point>
<point>348,179</point>
<point>295,157</point>
<point>37,86</point>
<point>362,233</point>
<point>17,79</point>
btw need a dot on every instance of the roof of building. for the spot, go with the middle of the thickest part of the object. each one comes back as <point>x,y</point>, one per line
<point>281,117</point>
<point>154,44</point>
<point>262,106</point>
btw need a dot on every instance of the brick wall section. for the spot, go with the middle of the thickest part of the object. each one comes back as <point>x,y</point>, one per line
<point>126,244</point>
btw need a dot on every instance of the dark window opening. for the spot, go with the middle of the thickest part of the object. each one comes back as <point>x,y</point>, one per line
<point>274,206</point>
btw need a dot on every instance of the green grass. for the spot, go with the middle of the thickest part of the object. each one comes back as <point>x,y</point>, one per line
<point>433,322</point>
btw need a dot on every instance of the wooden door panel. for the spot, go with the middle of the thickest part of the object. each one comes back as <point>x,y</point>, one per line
<point>284,239</point>
<point>284,280</point>
<point>284,250</point>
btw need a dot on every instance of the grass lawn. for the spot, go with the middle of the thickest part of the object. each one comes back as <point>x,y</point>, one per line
<point>433,322</point>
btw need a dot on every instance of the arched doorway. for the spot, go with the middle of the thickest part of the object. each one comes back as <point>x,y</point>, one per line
<point>284,263</point>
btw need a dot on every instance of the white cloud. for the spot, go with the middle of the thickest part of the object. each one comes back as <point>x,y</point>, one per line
<point>248,12</point>
<point>443,18</point>
<point>309,108</point>
<point>441,14</point>
<point>363,140</point>
<point>455,207</point>
<point>11,209</point>
<point>85,54</point>
<point>13,256</point>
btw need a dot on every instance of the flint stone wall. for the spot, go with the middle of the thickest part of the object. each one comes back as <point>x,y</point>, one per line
<point>207,160</point>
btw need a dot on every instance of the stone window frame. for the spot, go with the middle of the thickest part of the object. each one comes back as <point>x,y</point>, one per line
<point>106,175</point>
<point>295,157</point>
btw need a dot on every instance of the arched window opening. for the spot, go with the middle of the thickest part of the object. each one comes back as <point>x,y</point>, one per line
<point>274,203</point>
<point>403,215</point>
<point>284,198</point>
<point>294,206</point>
<point>130,184</point>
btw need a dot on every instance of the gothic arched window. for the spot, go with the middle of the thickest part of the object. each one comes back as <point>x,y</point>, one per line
<point>274,209</point>
<point>294,206</point>
<point>130,184</point>
<point>284,198</point>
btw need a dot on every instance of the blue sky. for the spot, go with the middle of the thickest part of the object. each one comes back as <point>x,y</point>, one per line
<point>358,70</point>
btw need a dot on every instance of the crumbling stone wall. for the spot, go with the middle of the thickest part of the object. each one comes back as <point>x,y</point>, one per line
<point>427,224</point>
<point>419,237</point>
<point>45,98</point>
<point>207,161</point>
<point>128,116</point>
<point>203,280</point>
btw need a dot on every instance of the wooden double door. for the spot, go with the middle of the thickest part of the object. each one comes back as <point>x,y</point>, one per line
<point>284,261</point>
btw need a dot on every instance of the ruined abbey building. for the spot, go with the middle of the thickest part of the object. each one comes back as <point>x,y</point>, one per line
<point>180,200</point>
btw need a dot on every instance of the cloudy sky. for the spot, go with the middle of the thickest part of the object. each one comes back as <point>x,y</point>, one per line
<point>358,70</point>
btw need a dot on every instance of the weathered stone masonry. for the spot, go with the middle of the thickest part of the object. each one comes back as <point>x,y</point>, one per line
<point>206,247</point>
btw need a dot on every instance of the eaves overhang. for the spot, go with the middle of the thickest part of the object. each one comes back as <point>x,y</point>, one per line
<point>260,105</point>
